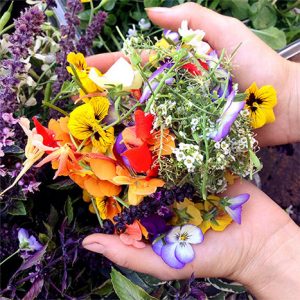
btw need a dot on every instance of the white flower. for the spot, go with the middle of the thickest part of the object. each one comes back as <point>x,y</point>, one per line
<point>144,24</point>
<point>131,32</point>
<point>168,121</point>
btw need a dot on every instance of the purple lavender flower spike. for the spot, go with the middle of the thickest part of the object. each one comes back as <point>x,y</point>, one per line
<point>177,250</point>
<point>229,115</point>
<point>171,36</point>
<point>234,208</point>
<point>28,243</point>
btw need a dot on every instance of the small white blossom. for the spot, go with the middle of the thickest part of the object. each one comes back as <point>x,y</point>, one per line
<point>144,24</point>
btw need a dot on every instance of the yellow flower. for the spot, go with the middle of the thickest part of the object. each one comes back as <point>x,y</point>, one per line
<point>85,122</point>
<point>260,103</point>
<point>85,1</point>
<point>187,212</point>
<point>213,217</point>
<point>78,61</point>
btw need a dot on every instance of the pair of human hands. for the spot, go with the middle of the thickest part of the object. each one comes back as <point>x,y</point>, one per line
<point>262,248</point>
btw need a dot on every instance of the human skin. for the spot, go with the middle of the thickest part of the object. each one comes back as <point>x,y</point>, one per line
<point>263,252</point>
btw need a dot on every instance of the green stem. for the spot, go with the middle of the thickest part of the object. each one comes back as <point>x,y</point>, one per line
<point>77,79</point>
<point>123,117</point>
<point>204,182</point>
<point>7,28</point>
<point>33,74</point>
<point>92,12</point>
<point>9,257</point>
<point>52,106</point>
<point>121,201</point>
<point>97,212</point>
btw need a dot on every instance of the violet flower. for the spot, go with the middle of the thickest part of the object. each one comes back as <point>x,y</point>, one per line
<point>233,206</point>
<point>154,82</point>
<point>229,115</point>
<point>175,249</point>
<point>28,243</point>
<point>155,225</point>
<point>86,41</point>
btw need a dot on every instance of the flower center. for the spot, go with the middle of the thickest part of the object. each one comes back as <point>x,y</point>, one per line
<point>252,102</point>
<point>183,236</point>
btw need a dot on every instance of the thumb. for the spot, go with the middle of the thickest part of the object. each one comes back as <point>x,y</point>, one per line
<point>198,17</point>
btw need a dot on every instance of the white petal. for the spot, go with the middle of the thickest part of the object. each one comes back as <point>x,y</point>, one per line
<point>184,253</point>
<point>172,236</point>
<point>195,235</point>
<point>168,256</point>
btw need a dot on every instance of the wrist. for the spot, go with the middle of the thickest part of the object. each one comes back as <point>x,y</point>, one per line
<point>273,271</point>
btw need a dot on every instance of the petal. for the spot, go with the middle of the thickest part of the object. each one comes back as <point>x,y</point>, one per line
<point>103,169</point>
<point>126,239</point>
<point>157,246</point>
<point>173,234</point>
<point>143,124</point>
<point>235,214</point>
<point>168,256</point>
<point>238,200</point>
<point>184,253</point>
<point>195,235</point>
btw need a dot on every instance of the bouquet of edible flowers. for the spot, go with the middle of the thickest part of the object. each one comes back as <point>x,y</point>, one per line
<point>154,142</point>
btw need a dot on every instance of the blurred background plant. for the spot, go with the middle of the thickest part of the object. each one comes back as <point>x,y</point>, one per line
<point>33,48</point>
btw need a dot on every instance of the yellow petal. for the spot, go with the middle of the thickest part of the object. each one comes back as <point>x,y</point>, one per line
<point>258,118</point>
<point>267,94</point>
<point>205,225</point>
<point>100,106</point>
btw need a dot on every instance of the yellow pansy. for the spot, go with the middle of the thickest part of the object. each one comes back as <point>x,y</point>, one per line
<point>85,123</point>
<point>260,103</point>
<point>187,211</point>
<point>78,62</point>
<point>213,217</point>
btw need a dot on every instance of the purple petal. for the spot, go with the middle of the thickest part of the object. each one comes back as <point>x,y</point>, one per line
<point>235,214</point>
<point>238,200</point>
<point>171,36</point>
<point>195,235</point>
<point>168,256</point>
<point>23,234</point>
<point>154,224</point>
<point>184,253</point>
<point>147,91</point>
<point>157,246</point>
<point>173,234</point>
<point>118,149</point>
<point>34,244</point>
<point>160,70</point>
<point>226,120</point>
<point>170,81</point>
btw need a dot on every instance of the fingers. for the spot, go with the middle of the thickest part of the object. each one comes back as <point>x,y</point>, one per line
<point>103,61</point>
<point>198,17</point>
<point>140,260</point>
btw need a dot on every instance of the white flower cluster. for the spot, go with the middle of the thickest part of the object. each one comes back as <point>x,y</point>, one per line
<point>189,155</point>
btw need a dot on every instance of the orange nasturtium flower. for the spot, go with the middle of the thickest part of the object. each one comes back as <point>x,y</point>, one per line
<point>108,207</point>
<point>138,187</point>
<point>260,103</point>
<point>85,123</point>
<point>212,218</point>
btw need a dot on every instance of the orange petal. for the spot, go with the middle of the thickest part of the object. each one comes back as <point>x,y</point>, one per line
<point>103,169</point>
<point>129,137</point>
<point>126,239</point>
<point>134,231</point>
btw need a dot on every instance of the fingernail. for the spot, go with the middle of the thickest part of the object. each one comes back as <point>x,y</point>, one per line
<point>157,9</point>
<point>94,247</point>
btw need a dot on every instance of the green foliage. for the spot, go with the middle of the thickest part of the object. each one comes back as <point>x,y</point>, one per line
<point>225,286</point>
<point>272,36</point>
<point>126,290</point>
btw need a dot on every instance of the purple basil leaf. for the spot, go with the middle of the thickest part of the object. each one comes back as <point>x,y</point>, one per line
<point>35,289</point>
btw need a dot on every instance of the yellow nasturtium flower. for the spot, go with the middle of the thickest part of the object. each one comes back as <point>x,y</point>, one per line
<point>85,123</point>
<point>260,103</point>
<point>78,62</point>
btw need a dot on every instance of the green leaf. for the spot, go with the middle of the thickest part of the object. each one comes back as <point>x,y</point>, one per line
<point>255,160</point>
<point>69,210</point>
<point>231,287</point>
<point>152,3</point>
<point>263,15</point>
<point>238,8</point>
<point>66,184</point>
<point>274,37</point>
<point>108,4</point>
<point>85,15</point>
<point>17,209</point>
<point>220,296</point>
<point>126,290</point>
<point>104,289</point>
<point>240,97</point>
<point>13,150</point>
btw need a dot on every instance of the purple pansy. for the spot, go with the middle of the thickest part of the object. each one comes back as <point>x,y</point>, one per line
<point>229,115</point>
<point>155,225</point>
<point>175,249</point>
<point>26,242</point>
<point>234,206</point>
<point>153,82</point>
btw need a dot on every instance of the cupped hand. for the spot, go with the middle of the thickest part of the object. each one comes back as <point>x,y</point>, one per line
<point>237,253</point>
